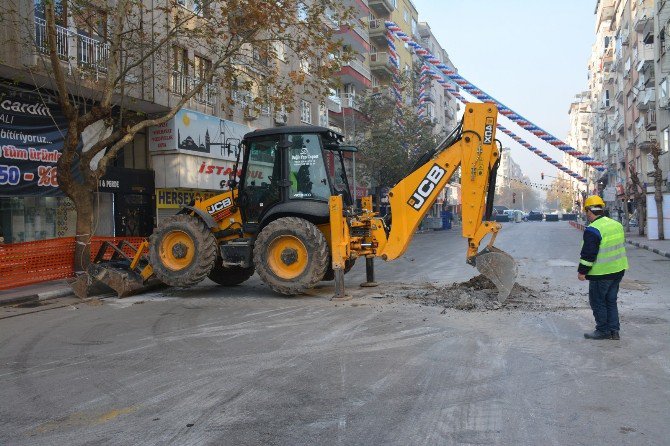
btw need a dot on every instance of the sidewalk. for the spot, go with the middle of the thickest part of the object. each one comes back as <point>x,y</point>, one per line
<point>35,293</point>
<point>661,247</point>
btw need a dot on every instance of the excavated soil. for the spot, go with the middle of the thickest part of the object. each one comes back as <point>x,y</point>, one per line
<point>480,294</point>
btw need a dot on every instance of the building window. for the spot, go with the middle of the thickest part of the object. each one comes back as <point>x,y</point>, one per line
<point>406,16</point>
<point>414,26</point>
<point>306,112</point>
<point>665,140</point>
<point>303,12</point>
<point>200,7</point>
<point>664,88</point>
<point>607,98</point>
<point>304,66</point>
<point>201,66</point>
<point>179,70</point>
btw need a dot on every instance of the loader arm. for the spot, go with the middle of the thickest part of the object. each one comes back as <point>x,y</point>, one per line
<point>476,153</point>
<point>474,150</point>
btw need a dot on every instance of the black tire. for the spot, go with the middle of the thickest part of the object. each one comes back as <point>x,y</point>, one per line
<point>291,255</point>
<point>330,273</point>
<point>169,248</point>
<point>230,276</point>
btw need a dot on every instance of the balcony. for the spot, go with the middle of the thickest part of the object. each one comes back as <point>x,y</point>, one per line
<point>650,120</point>
<point>88,52</point>
<point>357,73</point>
<point>645,57</point>
<point>355,36</point>
<point>643,18</point>
<point>382,7</point>
<point>334,104</point>
<point>349,100</point>
<point>181,84</point>
<point>608,56</point>
<point>381,65</point>
<point>647,99</point>
<point>377,32</point>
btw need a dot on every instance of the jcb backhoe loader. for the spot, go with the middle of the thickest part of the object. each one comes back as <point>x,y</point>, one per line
<point>292,217</point>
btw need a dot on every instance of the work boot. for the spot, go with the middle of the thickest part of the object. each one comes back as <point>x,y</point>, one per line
<point>597,335</point>
<point>615,335</point>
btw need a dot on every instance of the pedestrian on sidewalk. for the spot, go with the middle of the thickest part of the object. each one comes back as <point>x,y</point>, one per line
<point>602,262</point>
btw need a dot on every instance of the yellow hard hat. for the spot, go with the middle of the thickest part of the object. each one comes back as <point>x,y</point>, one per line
<point>593,201</point>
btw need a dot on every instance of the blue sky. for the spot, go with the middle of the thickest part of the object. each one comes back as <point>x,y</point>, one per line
<point>531,55</point>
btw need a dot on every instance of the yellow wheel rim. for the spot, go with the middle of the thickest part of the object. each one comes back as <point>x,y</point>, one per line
<point>177,250</point>
<point>287,257</point>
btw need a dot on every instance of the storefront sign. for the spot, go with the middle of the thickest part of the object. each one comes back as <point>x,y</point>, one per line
<point>31,140</point>
<point>198,134</point>
<point>182,171</point>
<point>178,198</point>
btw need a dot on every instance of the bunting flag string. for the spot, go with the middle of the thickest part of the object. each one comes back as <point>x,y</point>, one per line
<point>522,122</point>
<point>544,187</point>
<point>523,142</point>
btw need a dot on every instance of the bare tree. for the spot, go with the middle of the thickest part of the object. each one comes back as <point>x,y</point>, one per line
<point>268,51</point>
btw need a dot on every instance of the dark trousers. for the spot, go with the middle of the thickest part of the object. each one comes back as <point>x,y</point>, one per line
<point>602,297</point>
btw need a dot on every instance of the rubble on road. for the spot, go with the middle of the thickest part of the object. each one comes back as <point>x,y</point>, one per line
<point>480,294</point>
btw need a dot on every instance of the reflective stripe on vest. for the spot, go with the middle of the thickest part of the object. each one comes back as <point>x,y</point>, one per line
<point>612,252</point>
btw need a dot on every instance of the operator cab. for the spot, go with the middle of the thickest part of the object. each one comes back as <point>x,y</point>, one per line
<point>293,170</point>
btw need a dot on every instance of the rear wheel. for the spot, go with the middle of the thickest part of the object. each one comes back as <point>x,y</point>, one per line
<point>291,255</point>
<point>182,251</point>
<point>230,276</point>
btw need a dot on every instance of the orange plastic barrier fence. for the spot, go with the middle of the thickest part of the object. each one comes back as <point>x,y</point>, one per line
<point>33,262</point>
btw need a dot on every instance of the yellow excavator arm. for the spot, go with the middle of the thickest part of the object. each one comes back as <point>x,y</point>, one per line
<point>474,150</point>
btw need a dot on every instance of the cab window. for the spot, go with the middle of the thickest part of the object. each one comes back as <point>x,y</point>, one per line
<point>307,171</point>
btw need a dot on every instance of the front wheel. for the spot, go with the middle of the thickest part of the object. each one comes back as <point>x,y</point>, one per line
<point>291,255</point>
<point>182,251</point>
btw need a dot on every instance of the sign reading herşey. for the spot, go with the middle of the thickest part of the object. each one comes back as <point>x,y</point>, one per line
<point>31,140</point>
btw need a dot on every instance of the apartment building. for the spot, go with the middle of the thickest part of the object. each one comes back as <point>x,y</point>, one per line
<point>163,168</point>
<point>628,87</point>
<point>580,137</point>
<point>355,78</point>
<point>440,106</point>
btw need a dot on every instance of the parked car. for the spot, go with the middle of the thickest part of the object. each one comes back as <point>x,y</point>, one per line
<point>535,216</point>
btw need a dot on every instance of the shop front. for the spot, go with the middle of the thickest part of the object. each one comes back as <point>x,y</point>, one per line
<point>31,139</point>
<point>194,156</point>
<point>132,195</point>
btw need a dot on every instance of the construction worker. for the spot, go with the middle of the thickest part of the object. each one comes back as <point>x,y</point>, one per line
<point>602,262</point>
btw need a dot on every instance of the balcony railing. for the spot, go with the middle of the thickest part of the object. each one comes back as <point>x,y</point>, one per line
<point>360,68</point>
<point>90,52</point>
<point>62,34</point>
<point>182,84</point>
<point>349,100</point>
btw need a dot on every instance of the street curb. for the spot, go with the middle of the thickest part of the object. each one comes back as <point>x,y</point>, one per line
<point>36,297</point>
<point>637,244</point>
<point>649,248</point>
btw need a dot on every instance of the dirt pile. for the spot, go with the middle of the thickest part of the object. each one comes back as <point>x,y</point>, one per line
<point>480,294</point>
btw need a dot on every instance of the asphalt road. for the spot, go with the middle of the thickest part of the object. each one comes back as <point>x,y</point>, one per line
<point>243,366</point>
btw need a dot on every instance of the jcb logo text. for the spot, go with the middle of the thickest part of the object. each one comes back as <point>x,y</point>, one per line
<point>219,206</point>
<point>427,186</point>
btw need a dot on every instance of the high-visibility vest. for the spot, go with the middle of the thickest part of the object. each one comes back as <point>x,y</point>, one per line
<point>612,252</point>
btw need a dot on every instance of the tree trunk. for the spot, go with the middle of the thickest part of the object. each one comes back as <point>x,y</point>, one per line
<point>658,189</point>
<point>82,252</point>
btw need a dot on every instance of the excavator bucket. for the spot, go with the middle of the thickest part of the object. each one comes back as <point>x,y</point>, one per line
<point>118,273</point>
<point>500,268</point>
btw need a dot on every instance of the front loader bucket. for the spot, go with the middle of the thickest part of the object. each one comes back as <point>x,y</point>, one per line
<point>105,278</point>
<point>500,268</point>
<point>116,268</point>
